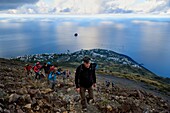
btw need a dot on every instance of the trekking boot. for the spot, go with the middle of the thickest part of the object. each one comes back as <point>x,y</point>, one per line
<point>90,101</point>
<point>84,109</point>
<point>53,86</point>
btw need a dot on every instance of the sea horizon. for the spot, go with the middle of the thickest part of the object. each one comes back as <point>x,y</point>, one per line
<point>142,38</point>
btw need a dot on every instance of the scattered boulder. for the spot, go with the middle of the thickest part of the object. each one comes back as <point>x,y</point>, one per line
<point>40,103</point>
<point>1,110</point>
<point>2,93</point>
<point>27,98</point>
<point>109,108</point>
<point>27,106</point>
<point>2,85</point>
<point>56,110</point>
<point>6,111</point>
<point>20,111</point>
<point>22,91</point>
<point>32,92</point>
<point>68,90</point>
<point>45,91</point>
<point>36,108</point>
<point>65,112</point>
<point>1,105</point>
<point>47,105</point>
<point>13,97</point>
<point>34,101</point>
<point>70,84</point>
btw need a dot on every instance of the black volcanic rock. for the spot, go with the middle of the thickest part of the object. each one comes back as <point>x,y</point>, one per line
<point>19,94</point>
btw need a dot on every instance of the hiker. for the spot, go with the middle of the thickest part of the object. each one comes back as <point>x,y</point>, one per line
<point>37,68</point>
<point>52,68</point>
<point>113,84</point>
<point>28,69</point>
<point>46,68</point>
<point>98,89</point>
<point>66,75</point>
<point>52,77</point>
<point>59,71</point>
<point>85,78</point>
<point>107,83</point>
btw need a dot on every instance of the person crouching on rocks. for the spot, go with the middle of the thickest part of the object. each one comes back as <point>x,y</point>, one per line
<point>28,69</point>
<point>52,77</point>
<point>85,78</point>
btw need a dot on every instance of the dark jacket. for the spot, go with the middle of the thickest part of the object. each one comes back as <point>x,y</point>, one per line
<point>85,77</point>
<point>46,68</point>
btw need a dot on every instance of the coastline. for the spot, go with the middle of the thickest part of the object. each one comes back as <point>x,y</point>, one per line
<point>126,56</point>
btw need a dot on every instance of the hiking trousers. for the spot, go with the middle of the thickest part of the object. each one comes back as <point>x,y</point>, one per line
<point>53,83</point>
<point>28,73</point>
<point>84,100</point>
<point>37,75</point>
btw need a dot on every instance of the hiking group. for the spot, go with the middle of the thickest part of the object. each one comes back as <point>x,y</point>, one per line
<point>85,77</point>
<point>48,71</point>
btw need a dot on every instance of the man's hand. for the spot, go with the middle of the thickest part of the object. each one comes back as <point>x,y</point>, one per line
<point>78,90</point>
<point>94,85</point>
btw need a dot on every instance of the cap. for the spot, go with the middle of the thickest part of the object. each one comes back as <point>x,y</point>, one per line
<point>37,63</point>
<point>48,63</point>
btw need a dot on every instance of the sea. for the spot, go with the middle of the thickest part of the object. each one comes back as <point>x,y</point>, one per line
<point>146,39</point>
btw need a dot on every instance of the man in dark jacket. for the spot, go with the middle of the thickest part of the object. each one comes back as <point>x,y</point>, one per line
<point>85,78</point>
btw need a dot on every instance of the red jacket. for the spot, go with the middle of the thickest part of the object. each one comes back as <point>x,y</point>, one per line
<point>28,68</point>
<point>52,68</point>
<point>37,68</point>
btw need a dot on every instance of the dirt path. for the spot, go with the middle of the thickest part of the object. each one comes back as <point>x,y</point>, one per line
<point>126,83</point>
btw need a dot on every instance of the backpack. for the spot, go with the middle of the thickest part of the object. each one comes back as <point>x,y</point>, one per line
<point>51,76</point>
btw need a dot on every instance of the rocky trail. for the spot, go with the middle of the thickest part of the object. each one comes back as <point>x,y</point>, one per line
<point>131,84</point>
<point>21,94</point>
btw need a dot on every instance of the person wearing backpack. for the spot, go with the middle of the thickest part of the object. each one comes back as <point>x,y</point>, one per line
<point>37,68</point>
<point>52,77</point>
<point>85,78</point>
